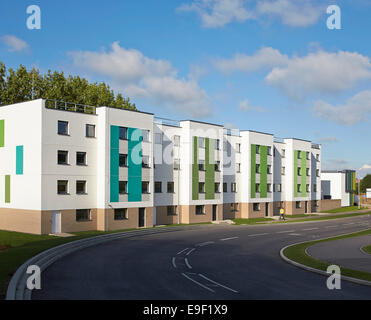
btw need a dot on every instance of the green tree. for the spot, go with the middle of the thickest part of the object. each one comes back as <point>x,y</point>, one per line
<point>365,183</point>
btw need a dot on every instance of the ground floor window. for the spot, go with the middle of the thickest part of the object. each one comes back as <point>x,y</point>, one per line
<point>83,215</point>
<point>316,203</point>
<point>234,207</point>
<point>121,214</point>
<point>200,210</point>
<point>256,206</point>
<point>171,210</point>
<point>298,204</point>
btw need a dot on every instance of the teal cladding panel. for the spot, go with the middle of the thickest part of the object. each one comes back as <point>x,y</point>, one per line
<point>135,165</point>
<point>114,164</point>
<point>19,160</point>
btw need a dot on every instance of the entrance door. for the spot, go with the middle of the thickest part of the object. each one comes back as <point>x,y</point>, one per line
<point>214,212</point>
<point>306,206</point>
<point>56,222</point>
<point>141,217</point>
<point>267,209</point>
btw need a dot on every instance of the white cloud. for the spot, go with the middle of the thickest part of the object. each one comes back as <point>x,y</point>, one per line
<point>14,44</point>
<point>140,76</point>
<point>328,140</point>
<point>320,72</point>
<point>265,58</point>
<point>357,109</point>
<point>364,170</point>
<point>217,13</point>
<point>336,164</point>
<point>246,106</point>
<point>294,13</point>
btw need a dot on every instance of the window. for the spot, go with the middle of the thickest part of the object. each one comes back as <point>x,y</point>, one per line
<point>171,210</point>
<point>283,171</point>
<point>233,187</point>
<point>279,187</point>
<point>123,160</point>
<point>269,187</point>
<point>170,187</point>
<point>176,164</point>
<point>298,204</point>
<point>298,188</point>
<point>201,142</point>
<point>121,214</point>
<point>123,187</point>
<point>308,156</point>
<point>217,166</point>
<point>176,141</point>
<point>274,187</point>
<point>123,133</point>
<point>317,172</point>
<point>256,206</point>
<point>257,168</point>
<point>317,157</point>
<point>308,172</point>
<point>238,167</point>
<point>217,187</point>
<point>314,187</point>
<point>234,207</point>
<point>200,210</point>
<point>274,151</point>
<point>62,186</point>
<point>225,187</point>
<point>257,187</point>
<point>238,147</point>
<point>308,188</point>
<point>217,144</point>
<point>299,171</point>
<point>63,128</point>
<point>145,187</point>
<point>283,153</point>
<point>83,215</point>
<point>90,131</point>
<point>62,157</point>
<point>145,135</point>
<point>80,187</point>
<point>299,154</point>
<point>269,151</point>
<point>158,138</point>
<point>269,169</point>
<point>201,165</point>
<point>81,158</point>
<point>257,149</point>
<point>145,162</point>
<point>316,203</point>
<point>158,187</point>
<point>201,187</point>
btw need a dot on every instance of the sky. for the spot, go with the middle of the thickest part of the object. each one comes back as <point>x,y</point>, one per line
<point>267,65</point>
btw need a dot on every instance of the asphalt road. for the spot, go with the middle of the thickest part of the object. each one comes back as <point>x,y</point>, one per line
<point>208,262</point>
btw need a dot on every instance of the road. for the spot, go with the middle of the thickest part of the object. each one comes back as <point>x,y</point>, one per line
<point>209,262</point>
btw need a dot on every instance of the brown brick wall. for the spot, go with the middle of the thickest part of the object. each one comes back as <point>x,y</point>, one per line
<point>163,218</point>
<point>27,221</point>
<point>329,204</point>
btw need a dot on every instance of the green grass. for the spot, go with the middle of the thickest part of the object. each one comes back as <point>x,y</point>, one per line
<point>344,209</point>
<point>339,216</point>
<point>251,221</point>
<point>367,249</point>
<point>297,253</point>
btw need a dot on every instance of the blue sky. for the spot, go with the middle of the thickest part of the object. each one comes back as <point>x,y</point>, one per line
<point>267,65</point>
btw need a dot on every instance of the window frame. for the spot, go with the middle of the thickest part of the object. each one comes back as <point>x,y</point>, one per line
<point>85,187</point>
<point>85,158</point>
<point>67,126</point>
<point>118,217</point>
<point>88,215</point>
<point>67,187</point>
<point>87,131</point>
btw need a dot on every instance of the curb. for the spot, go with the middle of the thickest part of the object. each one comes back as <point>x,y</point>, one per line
<point>324,273</point>
<point>17,288</point>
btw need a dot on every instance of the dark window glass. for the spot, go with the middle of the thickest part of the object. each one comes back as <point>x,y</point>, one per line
<point>63,127</point>
<point>121,214</point>
<point>83,215</point>
<point>81,158</point>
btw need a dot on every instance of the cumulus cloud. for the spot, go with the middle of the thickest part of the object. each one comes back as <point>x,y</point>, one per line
<point>320,72</point>
<point>141,76</point>
<point>265,58</point>
<point>328,140</point>
<point>14,44</point>
<point>364,170</point>
<point>246,106</point>
<point>336,164</point>
<point>357,109</point>
<point>218,13</point>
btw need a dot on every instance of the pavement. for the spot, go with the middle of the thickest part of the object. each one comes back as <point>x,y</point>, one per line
<point>344,252</point>
<point>209,262</point>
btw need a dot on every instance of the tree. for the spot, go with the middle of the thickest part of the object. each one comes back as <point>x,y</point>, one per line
<point>21,85</point>
<point>365,183</point>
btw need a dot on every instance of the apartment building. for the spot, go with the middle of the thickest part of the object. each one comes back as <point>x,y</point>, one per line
<point>67,168</point>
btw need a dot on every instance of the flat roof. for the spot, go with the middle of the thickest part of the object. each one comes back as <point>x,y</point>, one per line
<point>208,123</point>
<point>144,112</point>
<point>269,134</point>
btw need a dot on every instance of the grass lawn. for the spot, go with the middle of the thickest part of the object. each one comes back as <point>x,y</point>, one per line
<point>367,249</point>
<point>339,216</point>
<point>298,254</point>
<point>251,221</point>
<point>344,209</point>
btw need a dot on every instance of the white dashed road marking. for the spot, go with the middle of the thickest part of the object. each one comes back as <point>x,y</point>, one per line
<point>198,283</point>
<point>190,251</point>
<point>180,252</point>
<point>288,231</point>
<point>173,261</point>
<point>218,284</point>
<point>226,239</point>
<point>204,243</point>
<point>187,263</point>
<point>310,229</point>
<point>258,234</point>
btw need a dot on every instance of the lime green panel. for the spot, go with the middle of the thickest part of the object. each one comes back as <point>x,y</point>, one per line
<point>295,173</point>
<point>253,173</point>
<point>210,169</point>
<point>195,173</point>
<point>2,133</point>
<point>303,174</point>
<point>7,189</point>
<point>263,171</point>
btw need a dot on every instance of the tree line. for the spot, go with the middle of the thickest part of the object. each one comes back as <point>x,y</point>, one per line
<point>22,85</point>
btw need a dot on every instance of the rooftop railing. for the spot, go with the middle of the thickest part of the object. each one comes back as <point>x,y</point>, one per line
<point>316,146</point>
<point>69,106</point>
<point>231,132</point>
<point>165,121</point>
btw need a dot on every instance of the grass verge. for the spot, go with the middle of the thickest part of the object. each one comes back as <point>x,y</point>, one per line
<point>297,253</point>
<point>367,249</point>
<point>344,209</point>
<point>251,221</point>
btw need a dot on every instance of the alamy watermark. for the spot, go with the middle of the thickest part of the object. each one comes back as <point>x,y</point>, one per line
<point>334,280</point>
<point>334,20</point>
<point>34,280</point>
<point>34,19</point>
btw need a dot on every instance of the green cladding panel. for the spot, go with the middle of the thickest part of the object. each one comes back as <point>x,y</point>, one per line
<point>7,189</point>
<point>295,173</point>
<point>195,173</point>
<point>303,174</point>
<point>19,160</point>
<point>253,170</point>
<point>2,133</point>
<point>263,171</point>
<point>114,164</point>
<point>135,138</point>
<point>210,169</point>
